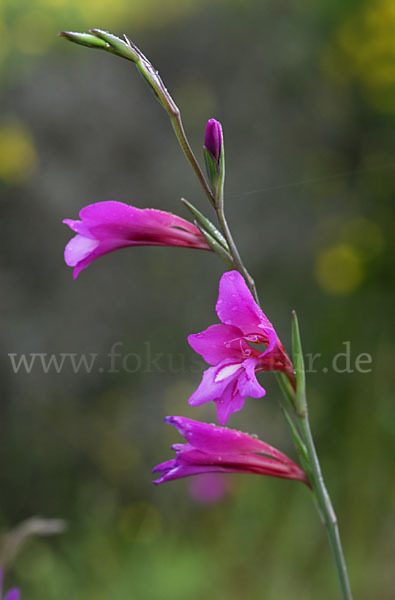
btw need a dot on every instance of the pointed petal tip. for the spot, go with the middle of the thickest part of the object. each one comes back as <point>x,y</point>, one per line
<point>170,420</point>
<point>196,401</point>
<point>232,275</point>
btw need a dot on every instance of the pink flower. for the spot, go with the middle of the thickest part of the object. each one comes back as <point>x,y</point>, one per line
<point>214,449</point>
<point>108,226</point>
<point>226,347</point>
<point>12,594</point>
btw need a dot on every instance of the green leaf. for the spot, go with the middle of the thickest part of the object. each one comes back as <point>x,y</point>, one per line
<point>206,224</point>
<point>300,396</point>
<point>216,247</point>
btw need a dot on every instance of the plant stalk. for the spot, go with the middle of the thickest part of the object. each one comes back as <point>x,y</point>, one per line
<point>238,263</point>
<point>326,508</point>
<point>176,121</point>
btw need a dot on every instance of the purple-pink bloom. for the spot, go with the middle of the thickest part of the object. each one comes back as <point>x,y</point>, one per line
<point>215,449</point>
<point>108,226</point>
<point>226,347</point>
<point>12,594</point>
<point>213,139</point>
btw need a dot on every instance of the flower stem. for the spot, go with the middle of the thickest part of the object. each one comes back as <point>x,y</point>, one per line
<point>310,461</point>
<point>176,121</point>
<point>238,263</point>
<point>326,508</point>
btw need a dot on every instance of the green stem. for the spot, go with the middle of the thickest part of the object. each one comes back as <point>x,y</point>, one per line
<point>289,410</point>
<point>319,489</point>
<point>238,263</point>
<point>326,508</point>
<point>175,118</point>
<point>176,121</point>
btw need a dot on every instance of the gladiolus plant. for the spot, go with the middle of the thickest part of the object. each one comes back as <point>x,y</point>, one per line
<point>238,348</point>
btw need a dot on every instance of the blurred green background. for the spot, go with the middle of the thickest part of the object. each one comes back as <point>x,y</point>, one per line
<point>306,95</point>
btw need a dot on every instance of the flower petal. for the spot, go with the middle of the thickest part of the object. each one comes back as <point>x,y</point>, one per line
<point>220,342</point>
<point>210,388</point>
<point>78,248</point>
<point>247,383</point>
<point>231,401</point>
<point>188,455</point>
<point>236,305</point>
<point>183,470</point>
<point>79,227</point>
<point>103,247</point>
<point>221,440</point>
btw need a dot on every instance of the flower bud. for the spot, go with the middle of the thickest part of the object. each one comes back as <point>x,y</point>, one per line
<point>213,151</point>
<point>213,140</point>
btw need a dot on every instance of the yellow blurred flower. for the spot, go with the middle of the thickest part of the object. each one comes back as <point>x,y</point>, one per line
<point>339,269</point>
<point>18,158</point>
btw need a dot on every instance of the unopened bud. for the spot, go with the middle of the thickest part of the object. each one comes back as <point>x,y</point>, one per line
<point>84,39</point>
<point>213,140</point>
<point>213,151</point>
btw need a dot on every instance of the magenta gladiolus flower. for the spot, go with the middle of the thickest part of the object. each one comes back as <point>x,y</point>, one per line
<point>226,347</point>
<point>108,226</point>
<point>12,594</point>
<point>214,449</point>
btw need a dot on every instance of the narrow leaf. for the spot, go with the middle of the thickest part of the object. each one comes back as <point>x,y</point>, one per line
<point>206,224</point>
<point>300,397</point>
<point>216,247</point>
